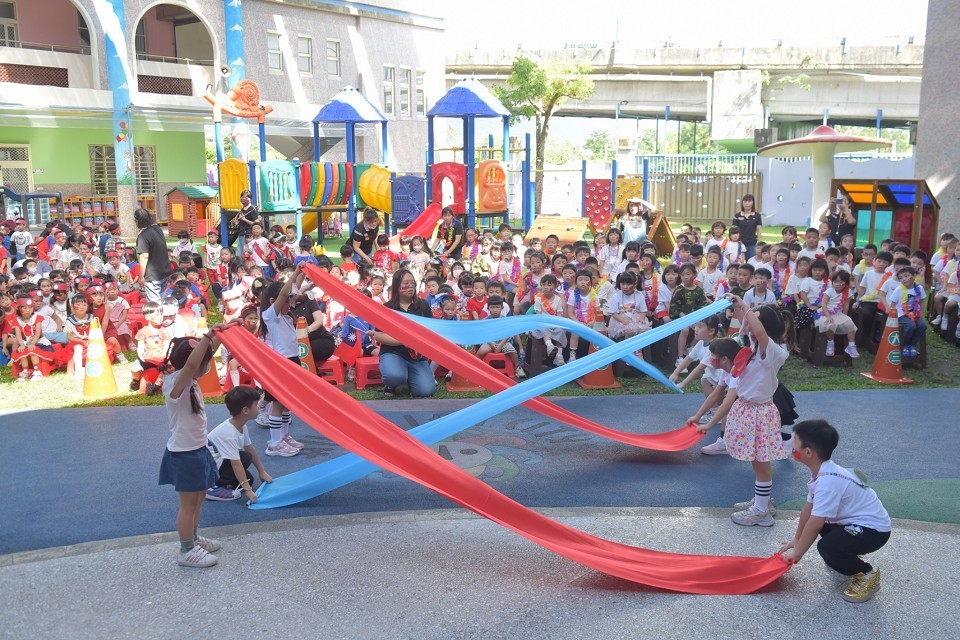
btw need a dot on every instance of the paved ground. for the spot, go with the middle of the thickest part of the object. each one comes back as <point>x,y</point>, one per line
<point>89,553</point>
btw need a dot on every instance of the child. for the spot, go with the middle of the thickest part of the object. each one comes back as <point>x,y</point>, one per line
<point>29,346</point>
<point>99,310</point>
<point>212,259</point>
<point>259,250</point>
<point>832,316</point>
<point>812,292</point>
<point>791,293</point>
<point>611,256</point>
<point>582,307</point>
<point>530,283</point>
<point>547,302</point>
<point>290,247</point>
<point>705,332</point>
<point>119,308</point>
<point>507,346</point>
<point>419,259</point>
<point>187,463</point>
<point>907,299</point>
<point>824,237</point>
<point>811,247</point>
<point>735,251</point>
<point>686,298</point>
<point>278,331</point>
<point>628,309</point>
<point>478,301</point>
<point>780,270</point>
<point>507,270</point>
<point>153,340</point>
<point>671,279</point>
<point>710,276</point>
<point>752,419</point>
<point>762,259</point>
<point>184,243</point>
<point>377,291</point>
<point>233,453</point>
<point>20,239</point>
<point>384,259</point>
<point>118,271</point>
<point>471,246</point>
<point>760,294</point>
<point>846,514</point>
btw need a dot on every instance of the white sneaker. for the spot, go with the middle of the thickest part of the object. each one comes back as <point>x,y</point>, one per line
<point>938,319</point>
<point>263,420</point>
<point>37,375</point>
<point>743,506</point>
<point>197,557</point>
<point>831,350</point>
<point>521,374</point>
<point>753,517</point>
<point>208,544</point>
<point>715,449</point>
<point>558,360</point>
<point>281,449</point>
<point>851,351</point>
<point>290,442</point>
<point>707,417</point>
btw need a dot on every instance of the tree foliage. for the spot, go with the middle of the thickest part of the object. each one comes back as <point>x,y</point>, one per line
<point>536,90</point>
<point>693,138</point>
<point>560,152</point>
<point>600,146</point>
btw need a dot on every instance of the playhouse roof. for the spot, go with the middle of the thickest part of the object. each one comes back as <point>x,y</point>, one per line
<point>469,97</point>
<point>196,193</point>
<point>349,105</point>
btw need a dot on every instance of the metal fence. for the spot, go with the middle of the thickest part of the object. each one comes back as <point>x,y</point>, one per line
<point>702,197</point>
<point>701,163</point>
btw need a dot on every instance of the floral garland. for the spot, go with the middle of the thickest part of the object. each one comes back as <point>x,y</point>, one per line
<point>591,309</point>
<point>873,295</point>
<point>778,284</point>
<point>514,270</point>
<point>911,308</point>
<point>838,308</point>
<point>547,307</point>
<point>722,285</point>
<point>655,289</point>
<point>529,286</point>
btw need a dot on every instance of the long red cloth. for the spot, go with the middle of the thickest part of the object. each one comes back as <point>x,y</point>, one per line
<point>454,358</point>
<point>367,434</point>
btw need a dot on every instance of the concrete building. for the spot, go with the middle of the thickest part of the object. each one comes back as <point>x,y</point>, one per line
<point>938,133</point>
<point>104,97</point>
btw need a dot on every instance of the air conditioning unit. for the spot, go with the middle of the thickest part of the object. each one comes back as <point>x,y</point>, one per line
<point>626,144</point>
<point>763,137</point>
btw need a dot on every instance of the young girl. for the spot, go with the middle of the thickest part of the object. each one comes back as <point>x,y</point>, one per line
<point>611,256</point>
<point>705,332</point>
<point>78,334</point>
<point>781,272</point>
<point>185,243</point>
<point>29,346</point>
<point>568,279</point>
<point>671,278</point>
<point>249,320</point>
<point>811,293</point>
<point>582,307</point>
<point>481,264</point>
<point>118,313</point>
<point>471,246</point>
<point>187,463</point>
<point>832,316</point>
<point>419,257</point>
<point>377,292</point>
<point>278,331</point>
<point>752,419</point>
<point>557,263</point>
<point>100,310</point>
<point>600,242</point>
<point>791,293</point>
<point>628,309</point>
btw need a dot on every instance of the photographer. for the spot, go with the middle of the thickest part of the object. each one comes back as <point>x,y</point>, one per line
<point>842,220</point>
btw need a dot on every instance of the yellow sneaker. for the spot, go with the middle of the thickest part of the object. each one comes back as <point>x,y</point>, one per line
<point>862,586</point>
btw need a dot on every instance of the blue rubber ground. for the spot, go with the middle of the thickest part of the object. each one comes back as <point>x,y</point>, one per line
<point>77,475</point>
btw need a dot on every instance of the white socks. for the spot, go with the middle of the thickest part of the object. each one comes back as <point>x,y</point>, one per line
<point>762,495</point>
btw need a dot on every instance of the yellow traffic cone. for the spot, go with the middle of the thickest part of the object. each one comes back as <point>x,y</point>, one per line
<point>98,380</point>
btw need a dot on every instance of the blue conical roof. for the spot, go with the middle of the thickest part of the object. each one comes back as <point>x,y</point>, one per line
<point>469,97</point>
<point>349,105</point>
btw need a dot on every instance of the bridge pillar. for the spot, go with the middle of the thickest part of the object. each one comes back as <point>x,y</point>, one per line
<point>736,108</point>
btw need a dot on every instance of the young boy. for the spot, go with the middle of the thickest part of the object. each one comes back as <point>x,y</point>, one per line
<point>507,269</point>
<point>908,301</point>
<point>582,307</point>
<point>846,514</point>
<point>478,301</point>
<point>811,248</point>
<point>384,259</point>
<point>211,258</point>
<point>233,452</point>
<point>687,298</point>
<point>20,240</point>
<point>530,283</point>
<point>152,342</point>
<point>506,346</point>
<point>760,294</point>
<point>547,302</point>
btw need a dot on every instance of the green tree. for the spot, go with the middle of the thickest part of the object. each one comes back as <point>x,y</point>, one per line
<point>600,146</point>
<point>899,137</point>
<point>536,91</point>
<point>560,152</point>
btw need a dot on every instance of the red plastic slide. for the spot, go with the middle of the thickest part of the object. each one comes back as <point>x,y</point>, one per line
<point>365,433</point>
<point>425,225</point>
<point>477,371</point>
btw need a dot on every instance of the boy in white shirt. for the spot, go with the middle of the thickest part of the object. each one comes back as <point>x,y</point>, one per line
<point>710,276</point>
<point>229,443</point>
<point>907,299</point>
<point>841,510</point>
<point>760,294</point>
<point>811,247</point>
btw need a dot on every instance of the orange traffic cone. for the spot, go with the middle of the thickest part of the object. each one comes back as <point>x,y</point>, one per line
<point>887,367</point>
<point>303,347</point>
<point>459,384</point>
<point>210,381</point>
<point>601,378</point>
<point>734,327</point>
<point>98,380</point>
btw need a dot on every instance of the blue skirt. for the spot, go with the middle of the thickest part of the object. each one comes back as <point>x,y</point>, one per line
<point>188,470</point>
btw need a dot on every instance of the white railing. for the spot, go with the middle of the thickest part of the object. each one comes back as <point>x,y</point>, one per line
<point>742,163</point>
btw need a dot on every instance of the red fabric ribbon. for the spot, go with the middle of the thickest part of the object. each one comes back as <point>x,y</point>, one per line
<point>367,434</point>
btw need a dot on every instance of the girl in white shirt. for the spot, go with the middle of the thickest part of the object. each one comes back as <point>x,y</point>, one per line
<point>611,255</point>
<point>628,309</point>
<point>278,330</point>
<point>187,463</point>
<point>752,419</point>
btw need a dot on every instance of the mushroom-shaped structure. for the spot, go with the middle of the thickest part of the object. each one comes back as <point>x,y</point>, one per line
<point>821,144</point>
<point>350,107</point>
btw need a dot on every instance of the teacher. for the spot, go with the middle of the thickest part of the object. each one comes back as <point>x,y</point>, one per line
<point>842,222</point>
<point>400,365</point>
<point>750,223</point>
<point>153,257</point>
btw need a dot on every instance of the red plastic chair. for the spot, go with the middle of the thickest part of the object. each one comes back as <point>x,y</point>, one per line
<point>501,362</point>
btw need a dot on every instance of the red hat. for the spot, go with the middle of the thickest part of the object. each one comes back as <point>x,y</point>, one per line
<point>113,254</point>
<point>111,285</point>
<point>97,282</point>
<point>81,278</point>
<point>94,289</point>
<point>21,221</point>
<point>24,301</point>
<point>60,286</point>
<point>36,294</point>
<point>59,234</point>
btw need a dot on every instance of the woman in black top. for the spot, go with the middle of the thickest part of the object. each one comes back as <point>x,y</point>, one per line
<point>750,223</point>
<point>841,222</point>
<point>400,365</point>
<point>322,343</point>
<point>243,221</point>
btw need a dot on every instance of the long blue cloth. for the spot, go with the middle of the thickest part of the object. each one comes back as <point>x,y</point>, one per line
<point>480,331</point>
<point>309,483</point>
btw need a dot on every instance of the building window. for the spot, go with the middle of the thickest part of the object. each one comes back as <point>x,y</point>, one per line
<point>103,171</point>
<point>8,25</point>
<point>333,58</point>
<point>140,41</point>
<point>305,54</point>
<point>274,55</point>
<point>84,33</point>
<point>403,92</point>
<point>388,89</point>
<point>421,94</point>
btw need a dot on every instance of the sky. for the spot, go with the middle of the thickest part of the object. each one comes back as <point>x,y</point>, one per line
<point>492,24</point>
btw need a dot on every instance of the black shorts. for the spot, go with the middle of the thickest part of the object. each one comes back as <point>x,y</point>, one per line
<point>266,394</point>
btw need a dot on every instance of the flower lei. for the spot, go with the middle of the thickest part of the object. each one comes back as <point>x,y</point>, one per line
<point>873,295</point>
<point>652,300</point>
<point>911,308</point>
<point>529,286</point>
<point>723,285</point>
<point>591,309</point>
<point>778,284</point>
<point>547,307</point>
<point>844,296</point>
<point>514,270</point>
<point>823,290</point>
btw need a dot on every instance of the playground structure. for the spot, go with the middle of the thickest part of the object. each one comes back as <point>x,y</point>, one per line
<point>310,192</point>
<point>904,210</point>
<point>23,200</point>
